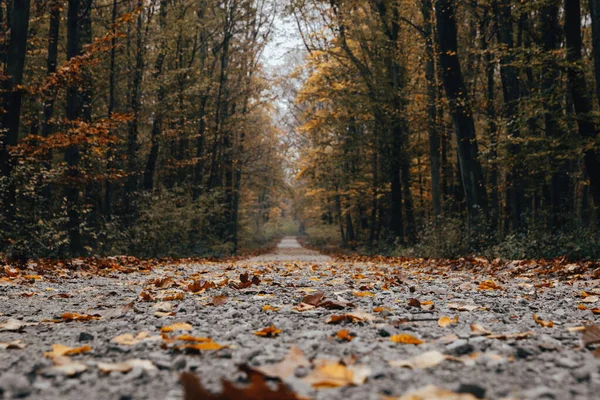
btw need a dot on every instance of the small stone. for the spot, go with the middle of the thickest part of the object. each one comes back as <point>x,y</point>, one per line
<point>582,374</point>
<point>85,337</point>
<point>13,385</point>
<point>179,363</point>
<point>526,351</point>
<point>460,347</point>
<point>473,389</point>
<point>566,362</point>
<point>541,392</point>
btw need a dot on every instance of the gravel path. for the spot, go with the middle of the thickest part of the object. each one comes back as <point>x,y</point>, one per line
<point>392,303</point>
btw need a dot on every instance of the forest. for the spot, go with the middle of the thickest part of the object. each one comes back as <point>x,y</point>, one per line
<point>431,128</point>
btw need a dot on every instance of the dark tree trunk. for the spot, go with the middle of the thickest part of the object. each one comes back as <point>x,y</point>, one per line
<point>160,97</point>
<point>11,97</point>
<point>134,124</point>
<point>581,100</point>
<point>434,139</point>
<point>53,31</point>
<point>462,116</point>
<point>111,109</point>
<point>595,13</point>
<point>512,94</point>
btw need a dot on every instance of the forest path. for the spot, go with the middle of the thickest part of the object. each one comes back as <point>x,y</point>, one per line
<point>383,306</point>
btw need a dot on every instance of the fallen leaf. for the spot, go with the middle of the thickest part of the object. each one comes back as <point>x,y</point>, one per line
<point>447,321</point>
<point>67,317</point>
<point>270,308</point>
<point>59,350</point>
<point>190,338</point>
<point>414,303</point>
<point>545,324</point>
<point>463,307</point>
<point>13,325</point>
<point>363,294</point>
<point>65,366</point>
<point>256,390</point>
<point>313,299</point>
<point>576,329</point>
<point>405,338</point>
<point>479,330</point>
<point>180,326</point>
<point>116,312</point>
<point>582,307</point>
<point>590,299</point>
<point>164,283</point>
<point>127,366</point>
<point>146,296</point>
<point>426,360</point>
<point>591,335</point>
<point>269,332</point>
<point>13,345</point>
<point>338,304</point>
<point>380,309</point>
<point>489,285</point>
<point>287,367</point>
<point>128,339</point>
<point>219,300</point>
<point>344,335</point>
<point>198,286</point>
<point>432,392</point>
<point>332,374</point>
<point>356,316</point>
<point>173,296</point>
<point>518,336</point>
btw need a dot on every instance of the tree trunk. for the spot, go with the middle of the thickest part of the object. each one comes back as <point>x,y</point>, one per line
<point>581,100</point>
<point>160,96</point>
<point>595,13</point>
<point>111,108</point>
<point>12,98</point>
<point>462,116</point>
<point>434,139</point>
<point>512,94</point>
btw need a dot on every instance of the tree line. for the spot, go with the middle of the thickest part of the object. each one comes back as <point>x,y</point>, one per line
<point>462,124</point>
<point>135,126</point>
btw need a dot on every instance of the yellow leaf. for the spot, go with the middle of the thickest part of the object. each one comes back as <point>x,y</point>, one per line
<point>405,339</point>
<point>59,350</point>
<point>447,321</point>
<point>270,331</point>
<point>180,326</point>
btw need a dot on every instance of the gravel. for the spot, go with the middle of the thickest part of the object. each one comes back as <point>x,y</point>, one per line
<point>549,364</point>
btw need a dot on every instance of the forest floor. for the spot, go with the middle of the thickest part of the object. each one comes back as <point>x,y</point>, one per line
<point>330,328</point>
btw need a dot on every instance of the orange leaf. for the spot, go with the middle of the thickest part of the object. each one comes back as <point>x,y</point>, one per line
<point>405,339</point>
<point>270,331</point>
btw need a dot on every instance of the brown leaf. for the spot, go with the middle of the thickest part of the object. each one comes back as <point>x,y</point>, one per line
<point>78,317</point>
<point>517,336</point>
<point>591,335</point>
<point>164,283</point>
<point>479,330</point>
<point>545,324</point>
<point>489,285</point>
<point>287,367</point>
<point>313,299</point>
<point>116,312</point>
<point>256,390</point>
<point>414,303</point>
<point>219,300</point>
<point>200,285</point>
<point>146,296</point>
<point>270,308</point>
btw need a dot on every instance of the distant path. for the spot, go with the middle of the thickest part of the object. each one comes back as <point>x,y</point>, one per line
<point>401,325</point>
<point>289,249</point>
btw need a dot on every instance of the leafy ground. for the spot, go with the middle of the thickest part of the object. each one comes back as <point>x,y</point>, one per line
<point>347,328</point>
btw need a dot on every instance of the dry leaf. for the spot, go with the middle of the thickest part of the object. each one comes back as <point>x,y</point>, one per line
<point>414,303</point>
<point>356,316</point>
<point>479,330</point>
<point>576,329</point>
<point>287,367</point>
<point>14,345</point>
<point>463,307</point>
<point>545,324</point>
<point>405,338</point>
<point>344,335</point>
<point>128,339</point>
<point>65,366</point>
<point>447,321</point>
<point>269,332</point>
<point>270,308</point>
<point>507,336</point>
<point>201,285</point>
<point>13,325</point>
<point>257,390</point>
<point>426,360</point>
<point>313,299</point>
<point>363,294</point>
<point>219,300</point>
<point>489,285</point>
<point>432,392</point>
<point>67,317</point>
<point>332,374</point>
<point>146,296</point>
<point>591,335</point>
<point>127,366</point>
<point>180,326</point>
<point>59,350</point>
<point>590,299</point>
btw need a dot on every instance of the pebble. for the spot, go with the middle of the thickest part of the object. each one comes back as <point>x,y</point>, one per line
<point>14,385</point>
